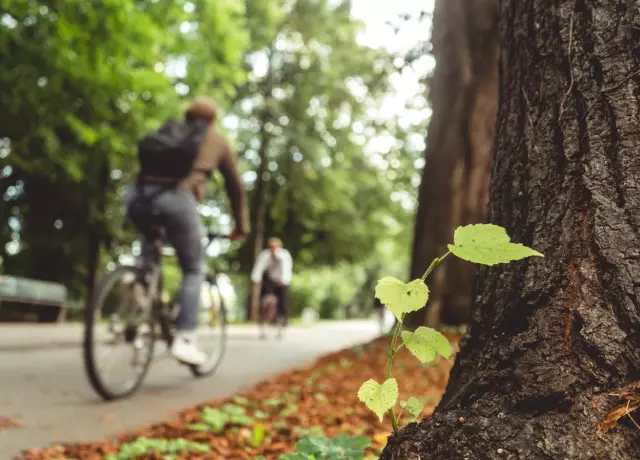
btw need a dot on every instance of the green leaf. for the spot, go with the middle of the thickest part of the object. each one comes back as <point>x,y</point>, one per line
<point>296,456</point>
<point>241,420</point>
<point>198,427</point>
<point>413,406</point>
<point>488,244</point>
<point>241,400</point>
<point>315,430</point>
<point>425,342</point>
<point>215,418</point>
<point>314,445</point>
<point>352,445</point>
<point>400,297</point>
<point>273,401</point>
<point>233,409</point>
<point>379,398</point>
<point>257,437</point>
<point>260,415</point>
<point>280,425</point>
<point>341,447</point>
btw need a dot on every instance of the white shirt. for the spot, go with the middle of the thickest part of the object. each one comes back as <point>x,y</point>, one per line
<point>279,268</point>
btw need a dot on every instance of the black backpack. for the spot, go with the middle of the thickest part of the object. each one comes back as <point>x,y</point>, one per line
<point>169,152</point>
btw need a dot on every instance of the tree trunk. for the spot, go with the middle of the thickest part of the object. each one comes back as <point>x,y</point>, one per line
<point>455,181</point>
<point>258,211</point>
<point>257,216</point>
<point>552,338</point>
<point>96,230</point>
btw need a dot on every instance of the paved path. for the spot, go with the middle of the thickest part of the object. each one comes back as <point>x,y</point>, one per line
<point>43,385</point>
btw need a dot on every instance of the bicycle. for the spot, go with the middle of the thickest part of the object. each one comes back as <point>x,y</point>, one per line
<point>147,316</point>
<point>268,313</point>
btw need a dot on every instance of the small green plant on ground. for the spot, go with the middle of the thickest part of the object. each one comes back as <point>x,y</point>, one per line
<point>215,420</point>
<point>341,447</point>
<point>168,447</point>
<point>485,244</point>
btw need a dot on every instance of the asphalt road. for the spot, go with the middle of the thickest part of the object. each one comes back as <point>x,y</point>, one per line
<point>43,385</point>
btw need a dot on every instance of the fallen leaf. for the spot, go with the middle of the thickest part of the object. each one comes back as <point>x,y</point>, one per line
<point>615,414</point>
<point>9,422</point>
<point>343,415</point>
<point>381,438</point>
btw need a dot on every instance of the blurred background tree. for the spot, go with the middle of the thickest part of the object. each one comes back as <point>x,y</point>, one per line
<point>310,106</point>
<point>454,190</point>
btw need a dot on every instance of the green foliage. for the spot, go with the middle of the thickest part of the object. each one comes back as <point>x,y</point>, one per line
<point>274,401</point>
<point>257,435</point>
<point>425,342</point>
<point>83,82</point>
<point>488,244</point>
<point>146,446</point>
<point>341,447</point>
<point>402,298</point>
<point>483,243</point>
<point>327,290</point>
<point>325,196</point>
<point>315,430</point>
<point>215,420</point>
<point>413,406</point>
<point>241,400</point>
<point>379,398</point>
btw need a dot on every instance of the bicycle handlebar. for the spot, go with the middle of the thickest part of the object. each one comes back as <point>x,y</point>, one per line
<point>211,235</point>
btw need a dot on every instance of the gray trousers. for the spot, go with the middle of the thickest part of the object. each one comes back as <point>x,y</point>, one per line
<point>177,212</point>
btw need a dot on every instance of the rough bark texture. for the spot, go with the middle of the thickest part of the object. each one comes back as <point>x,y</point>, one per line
<point>551,338</point>
<point>455,183</point>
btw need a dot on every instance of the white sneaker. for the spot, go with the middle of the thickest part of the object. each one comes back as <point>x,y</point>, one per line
<point>185,350</point>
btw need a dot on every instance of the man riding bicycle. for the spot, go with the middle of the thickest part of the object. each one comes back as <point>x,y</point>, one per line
<point>176,164</point>
<point>273,270</point>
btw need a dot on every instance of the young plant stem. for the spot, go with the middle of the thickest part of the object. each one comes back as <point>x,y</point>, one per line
<point>392,351</point>
<point>434,264</point>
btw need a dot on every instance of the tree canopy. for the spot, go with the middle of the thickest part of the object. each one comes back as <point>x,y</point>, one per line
<point>295,86</point>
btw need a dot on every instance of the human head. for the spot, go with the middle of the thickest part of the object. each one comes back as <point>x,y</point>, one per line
<point>274,244</point>
<point>201,107</point>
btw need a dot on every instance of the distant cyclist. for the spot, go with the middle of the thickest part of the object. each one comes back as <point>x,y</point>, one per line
<point>273,270</point>
<point>176,164</point>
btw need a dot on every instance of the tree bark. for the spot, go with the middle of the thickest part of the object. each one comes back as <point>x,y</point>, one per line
<point>455,181</point>
<point>258,211</point>
<point>96,230</point>
<point>552,338</point>
<point>257,217</point>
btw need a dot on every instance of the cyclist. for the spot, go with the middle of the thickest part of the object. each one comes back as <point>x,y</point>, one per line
<point>273,271</point>
<point>176,163</point>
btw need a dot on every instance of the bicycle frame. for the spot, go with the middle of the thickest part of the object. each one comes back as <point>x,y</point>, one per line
<point>160,309</point>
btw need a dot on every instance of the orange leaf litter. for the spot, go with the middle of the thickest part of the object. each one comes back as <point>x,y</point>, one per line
<point>322,396</point>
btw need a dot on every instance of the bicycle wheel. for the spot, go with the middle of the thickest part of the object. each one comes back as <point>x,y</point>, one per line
<point>117,316</point>
<point>267,314</point>
<point>212,334</point>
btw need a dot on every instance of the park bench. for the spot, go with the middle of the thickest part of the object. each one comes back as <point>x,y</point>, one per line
<point>24,299</point>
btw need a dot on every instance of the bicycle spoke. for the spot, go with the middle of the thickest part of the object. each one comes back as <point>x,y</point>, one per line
<point>212,334</point>
<point>119,347</point>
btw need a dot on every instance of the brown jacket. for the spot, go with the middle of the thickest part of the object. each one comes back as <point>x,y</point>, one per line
<point>216,153</point>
